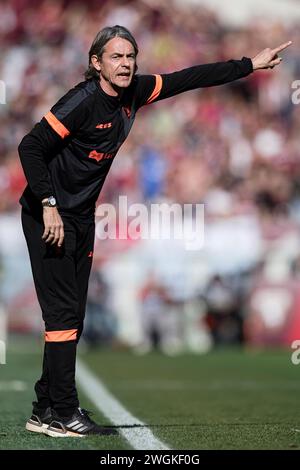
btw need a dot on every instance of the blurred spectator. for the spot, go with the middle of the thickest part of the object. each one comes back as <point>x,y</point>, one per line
<point>161,320</point>
<point>224,315</point>
<point>100,322</point>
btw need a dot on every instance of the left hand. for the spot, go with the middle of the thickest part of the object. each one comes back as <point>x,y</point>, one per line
<point>268,58</point>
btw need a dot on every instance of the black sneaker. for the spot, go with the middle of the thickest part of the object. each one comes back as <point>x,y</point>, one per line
<point>39,420</point>
<point>79,425</point>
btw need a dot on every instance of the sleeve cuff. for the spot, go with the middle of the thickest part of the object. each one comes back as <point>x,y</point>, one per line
<point>247,65</point>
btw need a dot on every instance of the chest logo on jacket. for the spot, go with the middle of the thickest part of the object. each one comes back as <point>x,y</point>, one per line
<point>105,125</point>
<point>100,156</point>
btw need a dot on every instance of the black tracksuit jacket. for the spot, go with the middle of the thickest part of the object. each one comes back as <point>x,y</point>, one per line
<point>69,152</point>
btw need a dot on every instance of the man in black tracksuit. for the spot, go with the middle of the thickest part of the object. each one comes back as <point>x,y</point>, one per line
<point>66,158</point>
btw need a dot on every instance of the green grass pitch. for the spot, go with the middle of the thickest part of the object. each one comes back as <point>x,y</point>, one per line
<point>227,399</point>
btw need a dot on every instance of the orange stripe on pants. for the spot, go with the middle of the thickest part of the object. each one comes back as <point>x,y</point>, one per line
<point>64,335</point>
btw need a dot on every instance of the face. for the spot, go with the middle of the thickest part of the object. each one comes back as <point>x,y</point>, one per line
<point>116,66</point>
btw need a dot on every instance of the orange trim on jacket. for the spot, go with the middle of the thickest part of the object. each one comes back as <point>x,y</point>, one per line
<point>157,89</point>
<point>56,125</point>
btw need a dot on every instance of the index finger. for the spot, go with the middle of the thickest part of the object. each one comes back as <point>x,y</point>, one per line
<point>282,46</point>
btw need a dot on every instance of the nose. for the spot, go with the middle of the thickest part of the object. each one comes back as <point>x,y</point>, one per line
<point>125,62</point>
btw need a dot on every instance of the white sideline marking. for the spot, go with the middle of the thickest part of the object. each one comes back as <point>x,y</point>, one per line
<point>12,386</point>
<point>140,438</point>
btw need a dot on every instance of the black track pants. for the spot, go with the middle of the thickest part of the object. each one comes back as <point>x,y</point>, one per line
<point>61,281</point>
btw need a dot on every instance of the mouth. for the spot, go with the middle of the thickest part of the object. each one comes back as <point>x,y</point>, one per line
<point>124,75</point>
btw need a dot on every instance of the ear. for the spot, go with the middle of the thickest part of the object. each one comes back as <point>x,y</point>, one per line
<point>96,63</point>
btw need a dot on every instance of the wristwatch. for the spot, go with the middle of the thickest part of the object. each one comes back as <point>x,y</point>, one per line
<point>49,202</point>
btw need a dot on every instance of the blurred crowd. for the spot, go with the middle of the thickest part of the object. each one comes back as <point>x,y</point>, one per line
<point>234,148</point>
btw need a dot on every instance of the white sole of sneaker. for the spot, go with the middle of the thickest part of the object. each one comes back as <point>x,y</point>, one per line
<point>52,433</point>
<point>33,427</point>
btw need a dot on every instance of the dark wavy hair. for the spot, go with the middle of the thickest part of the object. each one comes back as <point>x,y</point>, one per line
<point>97,48</point>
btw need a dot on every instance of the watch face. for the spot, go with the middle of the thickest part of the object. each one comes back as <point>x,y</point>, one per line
<point>52,201</point>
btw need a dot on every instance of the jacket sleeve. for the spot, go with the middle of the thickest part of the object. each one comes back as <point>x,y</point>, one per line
<point>153,88</point>
<point>41,144</point>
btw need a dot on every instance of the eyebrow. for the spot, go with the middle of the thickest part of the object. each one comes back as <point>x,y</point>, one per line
<point>120,55</point>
